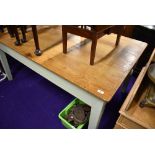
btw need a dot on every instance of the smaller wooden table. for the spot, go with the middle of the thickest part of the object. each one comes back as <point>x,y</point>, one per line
<point>132,116</point>
<point>93,32</point>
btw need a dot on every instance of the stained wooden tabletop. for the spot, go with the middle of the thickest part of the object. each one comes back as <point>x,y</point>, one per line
<point>112,65</point>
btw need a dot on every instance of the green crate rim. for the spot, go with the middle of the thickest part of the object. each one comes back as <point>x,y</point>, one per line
<point>64,121</point>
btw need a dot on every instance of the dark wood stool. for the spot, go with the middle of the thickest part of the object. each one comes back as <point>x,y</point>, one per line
<point>92,32</point>
<point>13,31</point>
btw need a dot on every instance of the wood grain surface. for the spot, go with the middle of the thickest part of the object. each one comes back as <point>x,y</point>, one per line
<point>112,65</point>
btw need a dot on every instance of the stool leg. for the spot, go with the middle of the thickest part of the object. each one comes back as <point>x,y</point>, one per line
<point>118,39</point>
<point>25,27</point>
<point>10,31</point>
<point>35,37</point>
<point>1,28</point>
<point>119,33</point>
<point>23,40</point>
<point>64,37</point>
<point>93,51</point>
<point>15,31</point>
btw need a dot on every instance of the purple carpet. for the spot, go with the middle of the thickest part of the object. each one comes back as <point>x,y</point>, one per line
<point>32,102</point>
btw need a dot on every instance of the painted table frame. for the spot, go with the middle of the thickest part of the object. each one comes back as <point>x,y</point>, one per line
<point>5,65</point>
<point>97,105</point>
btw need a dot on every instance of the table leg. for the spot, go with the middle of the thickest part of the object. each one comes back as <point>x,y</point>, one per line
<point>5,65</point>
<point>97,110</point>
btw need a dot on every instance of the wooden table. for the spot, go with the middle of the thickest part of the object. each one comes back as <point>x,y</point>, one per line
<point>95,85</point>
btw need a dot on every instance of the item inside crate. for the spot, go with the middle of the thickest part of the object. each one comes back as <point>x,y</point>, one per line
<point>79,114</point>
